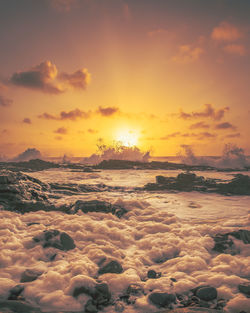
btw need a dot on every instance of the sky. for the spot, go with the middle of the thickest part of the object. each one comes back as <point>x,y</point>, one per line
<point>158,74</point>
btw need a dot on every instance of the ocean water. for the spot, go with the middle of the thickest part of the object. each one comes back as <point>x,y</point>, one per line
<point>168,232</point>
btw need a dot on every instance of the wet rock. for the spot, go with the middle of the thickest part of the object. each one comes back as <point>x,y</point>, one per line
<point>244,288</point>
<point>15,293</point>
<point>29,275</point>
<point>173,279</point>
<point>225,244</point>
<point>90,307</point>
<point>112,266</point>
<point>102,294</point>
<point>55,239</point>
<point>191,310</point>
<point>162,300</point>
<point>205,293</point>
<point>135,290</point>
<point>151,274</point>
<point>119,307</point>
<point>99,206</point>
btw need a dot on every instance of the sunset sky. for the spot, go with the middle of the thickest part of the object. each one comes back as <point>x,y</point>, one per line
<point>164,72</point>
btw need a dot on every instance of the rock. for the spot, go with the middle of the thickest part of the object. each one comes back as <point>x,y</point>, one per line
<point>102,294</point>
<point>135,290</point>
<point>151,274</point>
<point>55,239</point>
<point>111,267</point>
<point>99,206</point>
<point>29,275</point>
<point>17,307</point>
<point>206,293</point>
<point>15,292</point>
<point>244,288</point>
<point>162,299</point>
<point>225,244</point>
<point>191,310</point>
<point>90,307</point>
<point>67,242</point>
<point>119,307</point>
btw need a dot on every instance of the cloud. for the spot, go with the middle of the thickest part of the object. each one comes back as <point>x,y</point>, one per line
<point>61,131</point>
<point>58,138</point>
<point>39,77</point>
<point>199,136</point>
<point>235,49</point>
<point>199,125</point>
<point>78,80</point>
<point>71,115</point>
<point>225,125</point>
<point>44,77</point>
<point>158,31</point>
<point>208,112</point>
<point>63,5</point>
<point>92,131</point>
<point>5,102</point>
<point>29,154</point>
<point>27,120</point>
<point>188,54</point>
<point>226,32</point>
<point>172,135</point>
<point>233,135</point>
<point>108,111</point>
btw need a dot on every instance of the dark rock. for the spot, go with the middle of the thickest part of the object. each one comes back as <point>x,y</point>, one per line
<point>15,292</point>
<point>55,239</point>
<point>29,275</point>
<point>111,267</point>
<point>225,244</point>
<point>244,288</point>
<point>162,299</point>
<point>206,293</point>
<point>14,306</point>
<point>119,307</point>
<point>99,206</point>
<point>135,290</point>
<point>173,279</point>
<point>67,242</point>
<point>191,310</point>
<point>151,274</point>
<point>90,307</point>
<point>102,294</point>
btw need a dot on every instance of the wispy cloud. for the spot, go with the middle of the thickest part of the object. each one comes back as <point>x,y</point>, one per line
<point>198,125</point>
<point>61,131</point>
<point>5,102</point>
<point>27,120</point>
<point>226,32</point>
<point>235,49</point>
<point>63,5</point>
<point>188,54</point>
<point>107,111</point>
<point>208,112</point>
<point>71,115</point>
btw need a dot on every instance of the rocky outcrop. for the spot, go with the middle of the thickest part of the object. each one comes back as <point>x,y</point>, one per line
<point>239,185</point>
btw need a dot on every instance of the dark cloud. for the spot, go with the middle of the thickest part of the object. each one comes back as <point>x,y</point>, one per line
<point>63,5</point>
<point>71,115</point>
<point>199,125</point>
<point>107,111</point>
<point>61,131</point>
<point>29,154</point>
<point>208,112</point>
<point>44,77</point>
<point>4,102</point>
<point>27,120</point>
<point>225,125</point>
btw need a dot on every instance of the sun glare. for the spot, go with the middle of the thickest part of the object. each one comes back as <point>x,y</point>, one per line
<point>127,138</point>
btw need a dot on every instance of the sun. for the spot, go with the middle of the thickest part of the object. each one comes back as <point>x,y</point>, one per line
<point>127,138</point>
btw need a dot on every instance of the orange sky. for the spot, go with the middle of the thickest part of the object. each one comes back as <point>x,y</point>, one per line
<point>164,72</point>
